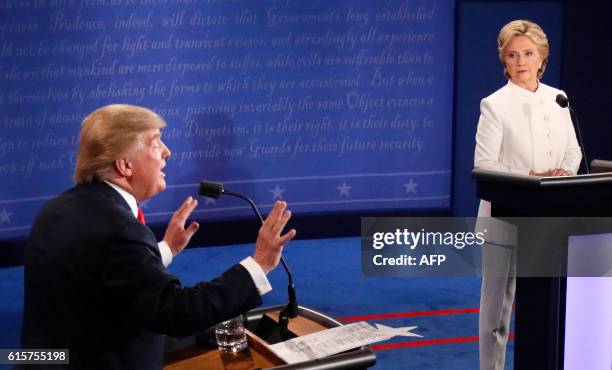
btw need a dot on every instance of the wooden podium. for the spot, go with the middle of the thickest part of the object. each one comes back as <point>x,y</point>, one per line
<point>200,351</point>
<point>540,316</point>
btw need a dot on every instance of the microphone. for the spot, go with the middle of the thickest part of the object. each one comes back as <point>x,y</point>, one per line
<point>564,103</point>
<point>215,190</point>
<point>211,189</point>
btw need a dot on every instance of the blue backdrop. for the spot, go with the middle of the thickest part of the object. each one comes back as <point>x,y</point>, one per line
<point>342,106</point>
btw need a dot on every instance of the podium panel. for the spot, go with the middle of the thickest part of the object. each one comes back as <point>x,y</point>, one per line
<point>540,302</point>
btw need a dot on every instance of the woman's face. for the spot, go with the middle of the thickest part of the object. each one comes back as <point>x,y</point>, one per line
<point>523,61</point>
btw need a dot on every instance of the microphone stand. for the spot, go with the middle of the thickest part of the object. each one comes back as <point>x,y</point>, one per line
<point>577,125</point>
<point>563,102</point>
<point>291,310</point>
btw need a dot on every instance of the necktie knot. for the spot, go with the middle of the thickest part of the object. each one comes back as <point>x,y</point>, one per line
<point>141,217</point>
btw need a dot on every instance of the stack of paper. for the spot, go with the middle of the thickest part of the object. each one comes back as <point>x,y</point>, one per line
<point>336,340</point>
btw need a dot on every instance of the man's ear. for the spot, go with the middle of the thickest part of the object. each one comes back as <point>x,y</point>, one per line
<point>123,167</point>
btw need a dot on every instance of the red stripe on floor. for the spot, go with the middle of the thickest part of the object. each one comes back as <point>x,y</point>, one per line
<point>420,343</point>
<point>411,314</point>
<point>408,314</point>
<point>431,342</point>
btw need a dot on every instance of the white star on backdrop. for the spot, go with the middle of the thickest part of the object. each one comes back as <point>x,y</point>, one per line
<point>344,189</point>
<point>210,201</point>
<point>5,216</point>
<point>277,192</point>
<point>144,205</point>
<point>411,187</point>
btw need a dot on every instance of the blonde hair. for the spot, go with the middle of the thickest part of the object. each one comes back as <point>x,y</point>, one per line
<point>107,134</point>
<point>523,28</point>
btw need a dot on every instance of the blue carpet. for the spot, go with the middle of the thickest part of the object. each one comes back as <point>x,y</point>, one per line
<point>328,278</point>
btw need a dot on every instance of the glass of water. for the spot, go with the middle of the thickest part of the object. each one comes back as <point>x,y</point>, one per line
<point>231,337</point>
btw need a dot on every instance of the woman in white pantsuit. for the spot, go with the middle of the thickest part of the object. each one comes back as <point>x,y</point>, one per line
<point>521,130</point>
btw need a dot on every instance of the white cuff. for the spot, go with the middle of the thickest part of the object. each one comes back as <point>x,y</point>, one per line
<point>257,274</point>
<point>166,253</point>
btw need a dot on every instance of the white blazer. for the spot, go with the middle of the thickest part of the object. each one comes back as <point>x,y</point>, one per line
<point>520,130</point>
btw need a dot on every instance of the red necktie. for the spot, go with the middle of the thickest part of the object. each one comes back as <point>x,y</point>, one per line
<point>141,216</point>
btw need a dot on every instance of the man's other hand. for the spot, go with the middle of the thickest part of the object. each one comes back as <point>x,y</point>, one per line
<point>270,242</point>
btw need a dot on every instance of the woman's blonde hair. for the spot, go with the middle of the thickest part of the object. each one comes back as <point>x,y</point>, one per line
<point>107,134</point>
<point>523,28</point>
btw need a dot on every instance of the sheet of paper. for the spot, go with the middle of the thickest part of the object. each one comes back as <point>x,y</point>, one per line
<point>336,340</point>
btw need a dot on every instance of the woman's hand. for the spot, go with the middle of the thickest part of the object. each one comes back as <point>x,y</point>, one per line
<point>558,172</point>
<point>550,173</point>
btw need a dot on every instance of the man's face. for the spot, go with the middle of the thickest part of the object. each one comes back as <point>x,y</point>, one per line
<point>147,162</point>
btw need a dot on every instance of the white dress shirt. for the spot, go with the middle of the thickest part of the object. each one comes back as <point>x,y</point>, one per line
<point>520,130</point>
<point>257,274</point>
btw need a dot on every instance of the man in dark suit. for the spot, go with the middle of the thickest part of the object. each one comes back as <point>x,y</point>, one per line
<point>95,276</point>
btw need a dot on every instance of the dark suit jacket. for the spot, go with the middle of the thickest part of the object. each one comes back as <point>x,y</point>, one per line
<point>95,283</point>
